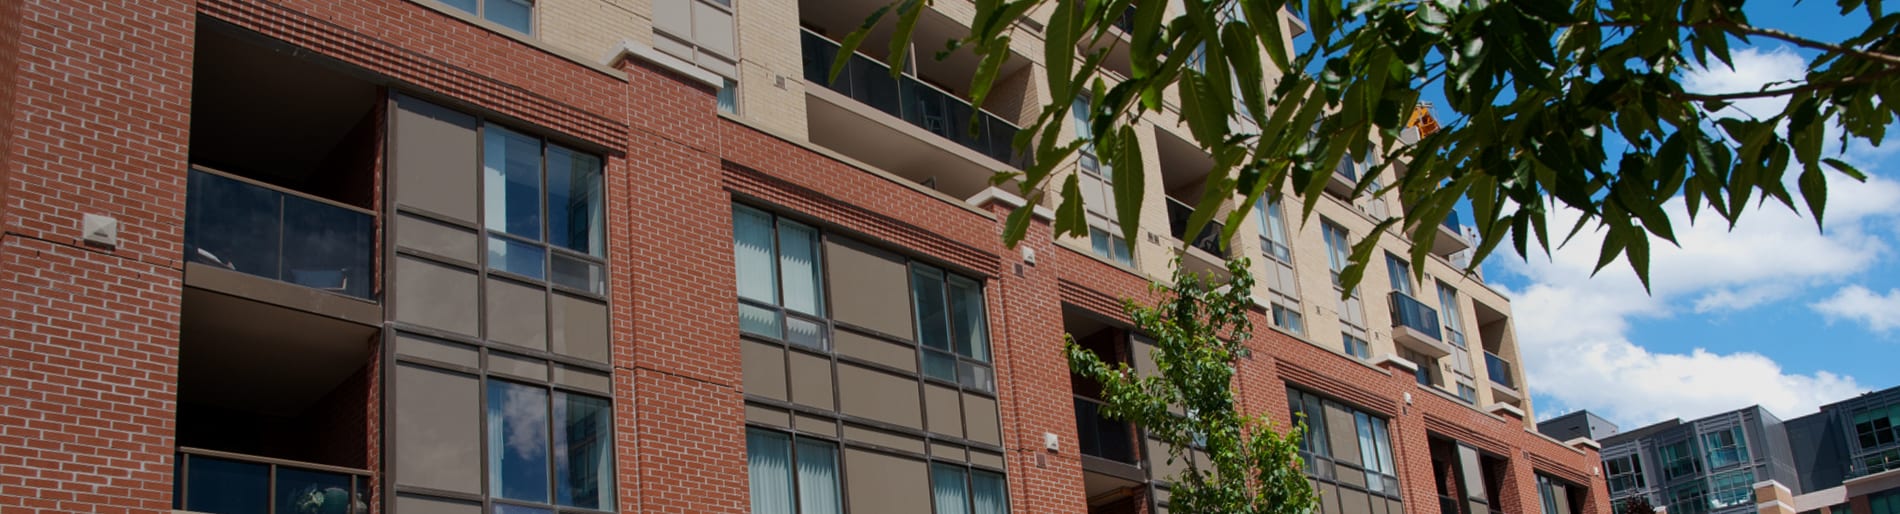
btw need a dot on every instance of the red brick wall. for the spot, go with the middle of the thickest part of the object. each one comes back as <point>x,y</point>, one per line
<point>10,13</point>
<point>88,339</point>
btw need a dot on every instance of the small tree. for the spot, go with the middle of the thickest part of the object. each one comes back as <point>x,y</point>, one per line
<point>1200,329</point>
<point>1635,505</point>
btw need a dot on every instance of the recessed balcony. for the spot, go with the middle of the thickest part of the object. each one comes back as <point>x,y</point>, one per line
<point>220,482</point>
<point>1415,326</point>
<point>1503,378</point>
<point>905,124</point>
<point>1449,240</point>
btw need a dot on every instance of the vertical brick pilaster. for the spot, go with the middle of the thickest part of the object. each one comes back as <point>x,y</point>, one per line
<point>1033,377</point>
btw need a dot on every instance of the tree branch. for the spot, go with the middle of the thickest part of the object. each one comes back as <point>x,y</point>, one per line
<point>1802,88</point>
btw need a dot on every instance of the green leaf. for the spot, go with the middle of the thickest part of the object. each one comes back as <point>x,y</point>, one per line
<point>1071,219</point>
<point>1017,225</point>
<point>1362,256</point>
<point>907,12</point>
<point>1130,184</point>
<point>1058,49</point>
<point>1846,169</point>
<point>1813,186</point>
<point>849,45</point>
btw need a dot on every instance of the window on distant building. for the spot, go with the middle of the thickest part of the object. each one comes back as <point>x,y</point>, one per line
<point>1624,473</point>
<point>516,15</point>
<point>1725,448</point>
<point>1679,459</point>
<point>1688,498</point>
<point>1732,489</point>
<point>791,474</point>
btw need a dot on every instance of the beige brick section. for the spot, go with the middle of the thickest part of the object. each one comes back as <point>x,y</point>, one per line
<point>771,66</point>
<point>594,28</point>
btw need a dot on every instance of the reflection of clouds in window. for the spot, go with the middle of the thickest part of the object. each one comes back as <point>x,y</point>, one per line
<point>526,415</point>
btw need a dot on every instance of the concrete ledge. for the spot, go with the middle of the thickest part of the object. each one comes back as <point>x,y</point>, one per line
<point>998,195</point>
<point>1503,409</point>
<point>1397,362</point>
<point>1583,442</point>
<point>635,49</point>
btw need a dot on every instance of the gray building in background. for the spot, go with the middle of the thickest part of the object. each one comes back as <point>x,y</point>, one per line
<point>1577,424</point>
<point>1705,466</point>
<point>1843,459</point>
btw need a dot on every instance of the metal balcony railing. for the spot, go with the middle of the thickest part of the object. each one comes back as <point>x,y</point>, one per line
<point>869,81</point>
<point>1499,370</point>
<point>1207,240</point>
<point>1415,314</point>
<point>280,234</point>
<point>214,482</point>
<point>1103,437</point>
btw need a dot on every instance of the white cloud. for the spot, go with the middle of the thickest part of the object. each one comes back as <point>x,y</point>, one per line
<point>1881,313</point>
<point>1574,330</point>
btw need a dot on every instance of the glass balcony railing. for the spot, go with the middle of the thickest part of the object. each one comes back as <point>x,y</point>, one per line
<point>1499,370</point>
<point>241,225</point>
<point>1415,314</point>
<point>1103,437</point>
<point>1207,240</point>
<point>869,82</point>
<point>1126,21</point>
<point>1451,221</point>
<point>221,483</point>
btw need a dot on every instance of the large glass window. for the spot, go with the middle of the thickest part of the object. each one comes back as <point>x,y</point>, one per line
<point>958,490</point>
<point>1271,220</point>
<point>543,206</point>
<point>790,477</point>
<point>1725,447</point>
<point>951,327</point>
<point>1277,244</point>
<point>535,434</point>
<point>1887,502</point>
<point>780,275</point>
<point>1369,434</point>
<point>1623,473</point>
<point>1679,459</point>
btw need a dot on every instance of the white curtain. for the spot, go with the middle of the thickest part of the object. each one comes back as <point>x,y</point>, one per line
<point>989,492</point>
<point>769,465</point>
<point>818,478</point>
<point>798,259</point>
<point>752,251</point>
<point>947,488</point>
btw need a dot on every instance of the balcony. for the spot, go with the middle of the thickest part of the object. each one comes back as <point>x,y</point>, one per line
<point>1415,326</point>
<point>214,482</point>
<point>954,157</point>
<point>265,231</point>
<point>1344,179</point>
<point>1101,437</point>
<point>1449,240</point>
<point>1207,240</point>
<point>1503,379</point>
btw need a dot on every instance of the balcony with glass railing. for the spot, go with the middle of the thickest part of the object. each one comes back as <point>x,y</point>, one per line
<point>262,230</point>
<point>1415,325</point>
<point>1101,436</point>
<point>214,482</point>
<point>1499,370</point>
<point>1449,238</point>
<point>927,134</point>
<point>1207,240</point>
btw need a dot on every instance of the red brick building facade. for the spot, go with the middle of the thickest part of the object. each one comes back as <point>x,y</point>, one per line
<point>98,283</point>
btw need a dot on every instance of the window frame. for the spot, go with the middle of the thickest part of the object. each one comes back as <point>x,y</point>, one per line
<point>969,474</point>
<point>1362,350</point>
<point>961,361</point>
<point>1679,459</point>
<point>1731,453</point>
<point>549,251</point>
<point>1276,244</point>
<point>1630,473</point>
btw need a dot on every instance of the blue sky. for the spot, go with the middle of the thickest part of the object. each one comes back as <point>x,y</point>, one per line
<point>1774,313</point>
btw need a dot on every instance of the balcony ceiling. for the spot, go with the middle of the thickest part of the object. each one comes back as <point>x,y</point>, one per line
<point>264,112</point>
<point>246,355</point>
<point>836,18</point>
<point>1184,167</point>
